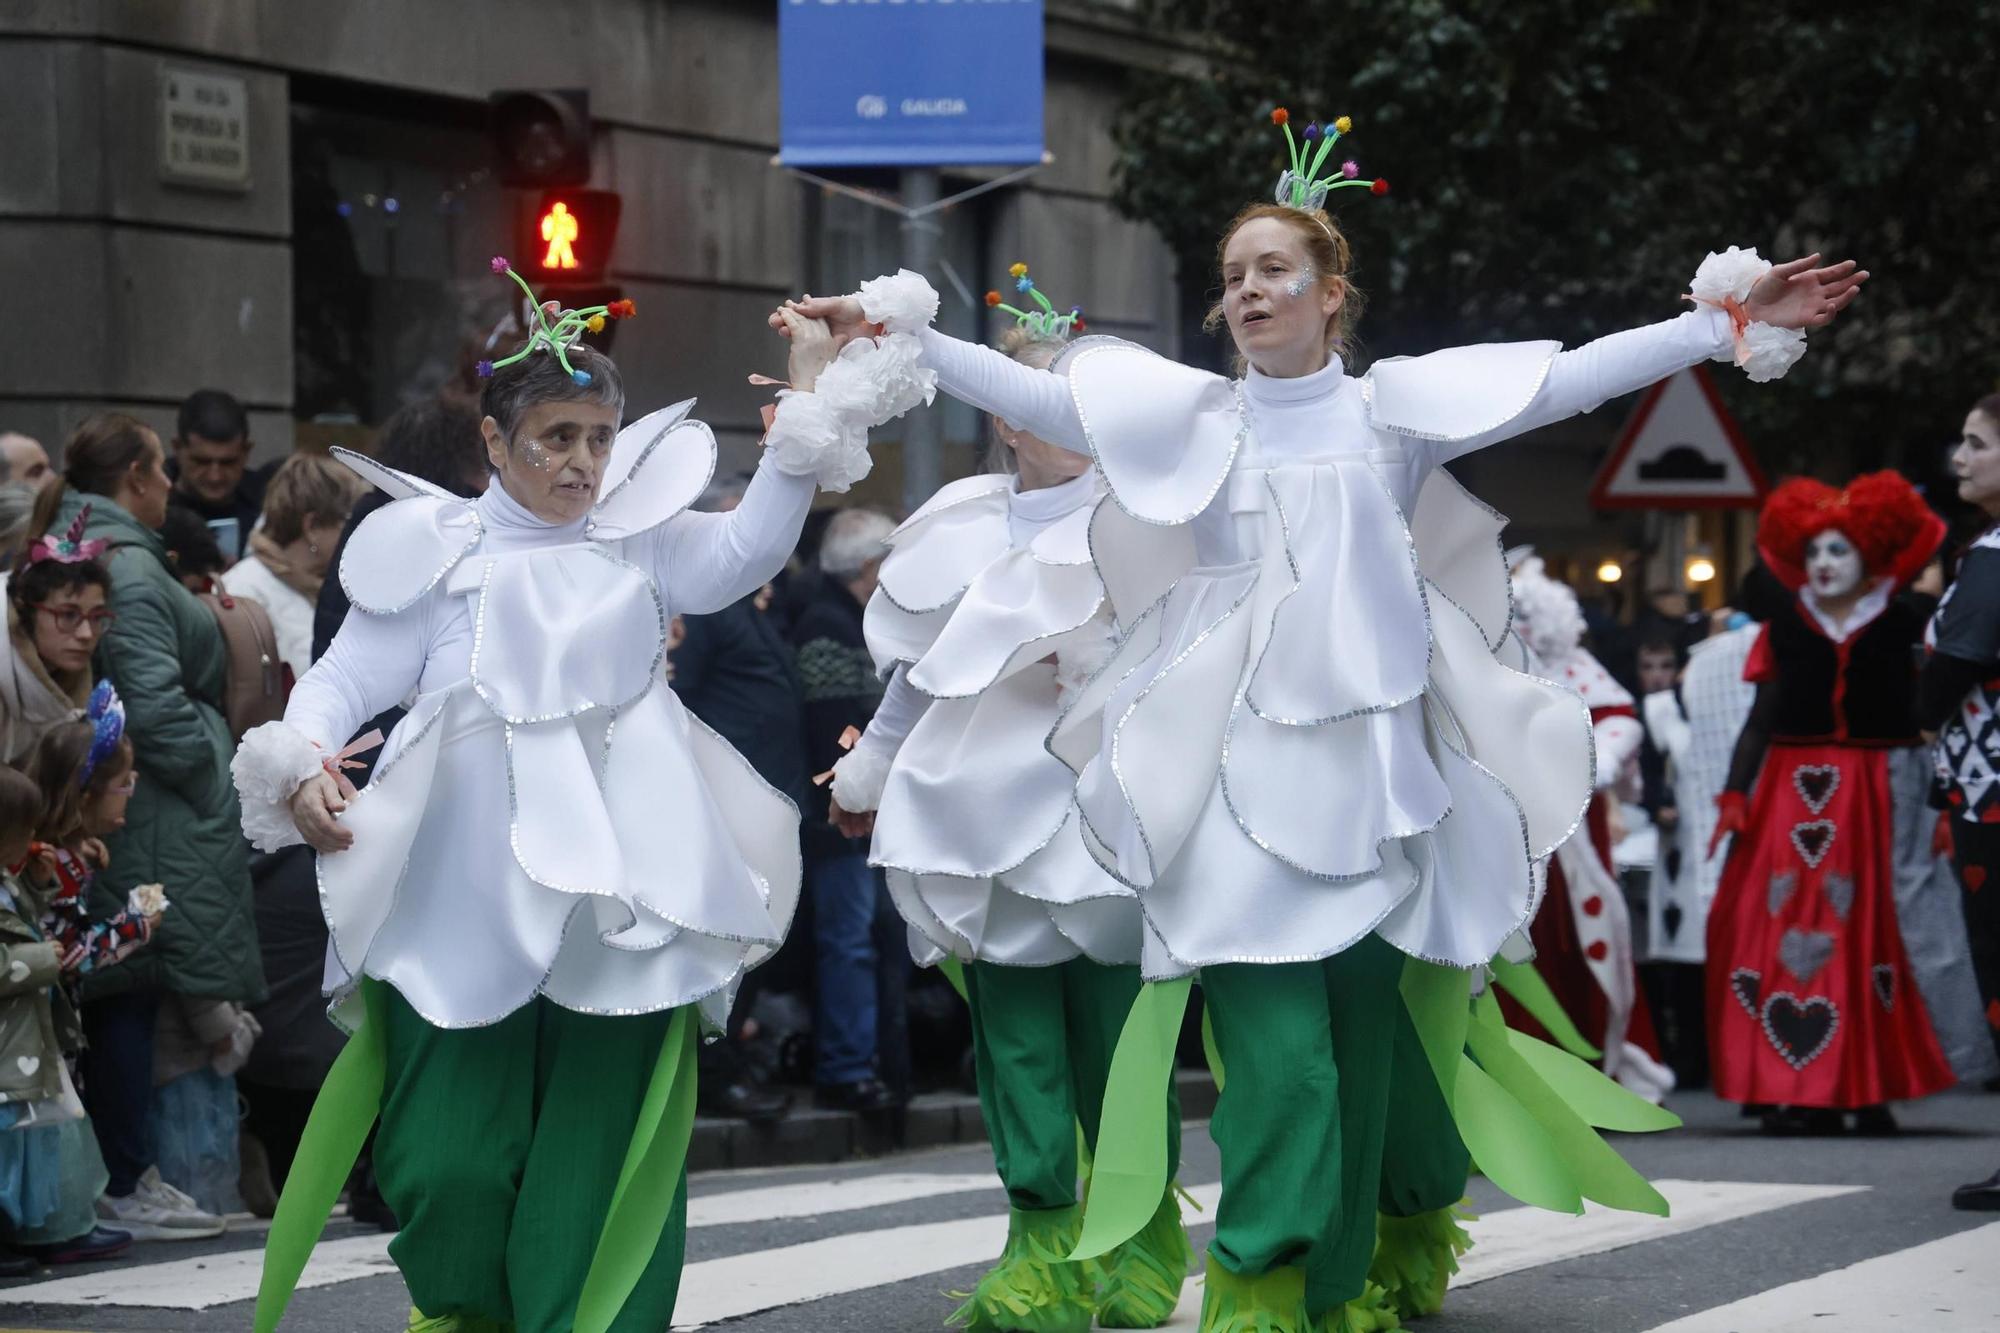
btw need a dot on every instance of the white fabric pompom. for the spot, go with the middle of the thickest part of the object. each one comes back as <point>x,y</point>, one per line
<point>859,777</point>
<point>1729,274</point>
<point>271,764</point>
<point>876,380</point>
<point>903,302</point>
<point>1766,351</point>
<point>1546,615</point>
<point>808,438</point>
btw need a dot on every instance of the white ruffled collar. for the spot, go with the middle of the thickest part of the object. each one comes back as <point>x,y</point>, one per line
<point>1871,605</point>
<point>1050,503</point>
<point>1321,384</point>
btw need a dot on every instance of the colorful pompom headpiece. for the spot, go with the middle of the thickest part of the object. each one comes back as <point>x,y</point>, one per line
<point>1302,186</point>
<point>554,329</point>
<point>1881,513</point>
<point>1045,322</point>
<point>106,715</point>
<point>70,548</point>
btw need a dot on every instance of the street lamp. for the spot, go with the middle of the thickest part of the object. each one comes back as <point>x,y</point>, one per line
<point>1610,571</point>
<point>1700,569</point>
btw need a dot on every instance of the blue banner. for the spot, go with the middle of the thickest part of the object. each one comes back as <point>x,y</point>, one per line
<point>909,83</point>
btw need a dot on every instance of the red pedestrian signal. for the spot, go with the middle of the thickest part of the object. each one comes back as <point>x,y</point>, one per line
<point>570,234</point>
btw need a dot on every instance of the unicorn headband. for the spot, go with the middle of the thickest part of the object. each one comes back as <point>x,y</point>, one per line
<point>70,548</point>
<point>106,716</point>
<point>554,329</point>
<point>1302,186</point>
<point>1045,322</point>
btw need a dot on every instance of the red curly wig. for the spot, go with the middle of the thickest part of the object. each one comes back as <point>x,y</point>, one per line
<point>1882,514</point>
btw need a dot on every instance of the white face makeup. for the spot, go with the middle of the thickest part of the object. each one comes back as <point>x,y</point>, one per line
<point>1275,304</point>
<point>555,461</point>
<point>1976,462</point>
<point>1833,565</point>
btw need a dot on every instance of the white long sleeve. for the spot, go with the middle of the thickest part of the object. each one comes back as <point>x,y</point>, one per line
<point>902,706</point>
<point>1583,378</point>
<point>373,664</point>
<point>704,562</point>
<point>1025,398</point>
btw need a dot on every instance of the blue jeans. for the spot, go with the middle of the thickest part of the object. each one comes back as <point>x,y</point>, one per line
<point>861,975</point>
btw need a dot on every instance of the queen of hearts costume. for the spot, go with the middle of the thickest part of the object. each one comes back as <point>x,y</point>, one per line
<point>552,856</point>
<point>988,612</point>
<point>1305,755</point>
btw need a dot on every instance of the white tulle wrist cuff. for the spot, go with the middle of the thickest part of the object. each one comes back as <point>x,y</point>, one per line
<point>1764,351</point>
<point>901,302</point>
<point>271,764</point>
<point>859,777</point>
<point>823,434</point>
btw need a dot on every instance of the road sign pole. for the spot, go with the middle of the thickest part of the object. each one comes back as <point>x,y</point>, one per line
<point>923,428</point>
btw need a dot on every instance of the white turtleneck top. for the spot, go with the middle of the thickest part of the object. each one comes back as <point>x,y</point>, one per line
<point>699,562</point>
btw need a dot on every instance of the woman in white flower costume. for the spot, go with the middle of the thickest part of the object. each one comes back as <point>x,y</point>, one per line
<point>556,873</point>
<point>1304,755</point>
<point>989,612</point>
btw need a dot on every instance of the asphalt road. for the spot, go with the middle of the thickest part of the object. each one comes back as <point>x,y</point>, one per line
<point>1842,1236</point>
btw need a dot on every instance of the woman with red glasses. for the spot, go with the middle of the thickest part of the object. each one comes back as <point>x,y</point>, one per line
<point>56,616</point>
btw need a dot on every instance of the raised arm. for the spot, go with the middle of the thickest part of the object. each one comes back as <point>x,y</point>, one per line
<point>903,302</point>
<point>1747,311</point>
<point>704,562</point>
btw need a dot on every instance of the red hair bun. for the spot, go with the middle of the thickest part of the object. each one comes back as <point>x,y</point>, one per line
<point>1879,512</point>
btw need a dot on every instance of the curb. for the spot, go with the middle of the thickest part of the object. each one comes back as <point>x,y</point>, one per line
<point>811,1136</point>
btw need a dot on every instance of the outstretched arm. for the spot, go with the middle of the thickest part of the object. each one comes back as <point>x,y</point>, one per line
<point>1025,398</point>
<point>1795,296</point>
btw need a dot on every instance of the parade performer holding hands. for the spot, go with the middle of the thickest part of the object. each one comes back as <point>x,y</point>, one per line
<point>1304,755</point>
<point>988,614</point>
<point>556,874</point>
<point>1813,1006</point>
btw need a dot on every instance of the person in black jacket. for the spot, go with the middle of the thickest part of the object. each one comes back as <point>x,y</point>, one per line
<point>861,1055</point>
<point>734,671</point>
<point>211,468</point>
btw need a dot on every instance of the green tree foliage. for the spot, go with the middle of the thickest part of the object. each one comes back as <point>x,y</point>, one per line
<point>1559,167</point>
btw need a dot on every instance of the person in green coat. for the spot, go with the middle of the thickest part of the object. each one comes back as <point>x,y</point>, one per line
<point>165,655</point>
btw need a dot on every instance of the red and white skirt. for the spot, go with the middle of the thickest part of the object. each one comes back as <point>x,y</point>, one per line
<point>1810,997</point>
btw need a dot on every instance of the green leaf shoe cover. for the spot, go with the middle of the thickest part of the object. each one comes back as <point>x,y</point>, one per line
<point>1143,1277</point>
<point>1416,1258</point>
<point>1034,1288</point>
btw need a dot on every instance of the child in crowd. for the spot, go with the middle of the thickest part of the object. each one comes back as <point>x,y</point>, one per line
<point>85,770</point>
<point>50,1172</point>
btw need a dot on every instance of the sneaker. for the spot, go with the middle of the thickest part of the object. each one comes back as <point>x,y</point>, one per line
<point>94,1244</point>
<point>155,1210</point>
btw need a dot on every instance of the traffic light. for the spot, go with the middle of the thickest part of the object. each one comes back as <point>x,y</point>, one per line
<point>568,236</point>
<point>543,136</point>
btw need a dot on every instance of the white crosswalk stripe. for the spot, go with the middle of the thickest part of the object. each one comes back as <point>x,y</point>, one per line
<point>1949,1285</point>
<point>1509,1241</point>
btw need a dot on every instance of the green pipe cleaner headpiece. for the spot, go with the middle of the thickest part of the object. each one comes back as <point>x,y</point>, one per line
<point>1302,186</point>
<point>1045,322</point>
<point>555,329</point>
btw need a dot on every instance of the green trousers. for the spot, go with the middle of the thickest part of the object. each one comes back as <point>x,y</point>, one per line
<point>498,1149</point>
<point>1329,1110</point>
<point>1042,1039</point>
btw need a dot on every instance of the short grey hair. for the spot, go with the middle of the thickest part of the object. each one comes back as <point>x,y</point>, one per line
<point>539,378</point>
<point>853,538</point>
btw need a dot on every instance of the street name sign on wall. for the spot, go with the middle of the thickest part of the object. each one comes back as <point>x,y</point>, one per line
<point>1680,450</point>
<point>909,83</point>
<point>204,128</point>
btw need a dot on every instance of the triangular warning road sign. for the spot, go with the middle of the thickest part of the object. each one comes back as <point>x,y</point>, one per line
<point>1680,450</point>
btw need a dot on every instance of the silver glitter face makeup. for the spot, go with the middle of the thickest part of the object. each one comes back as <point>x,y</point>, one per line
<point>1300,285</point>
<point>536,456</point>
